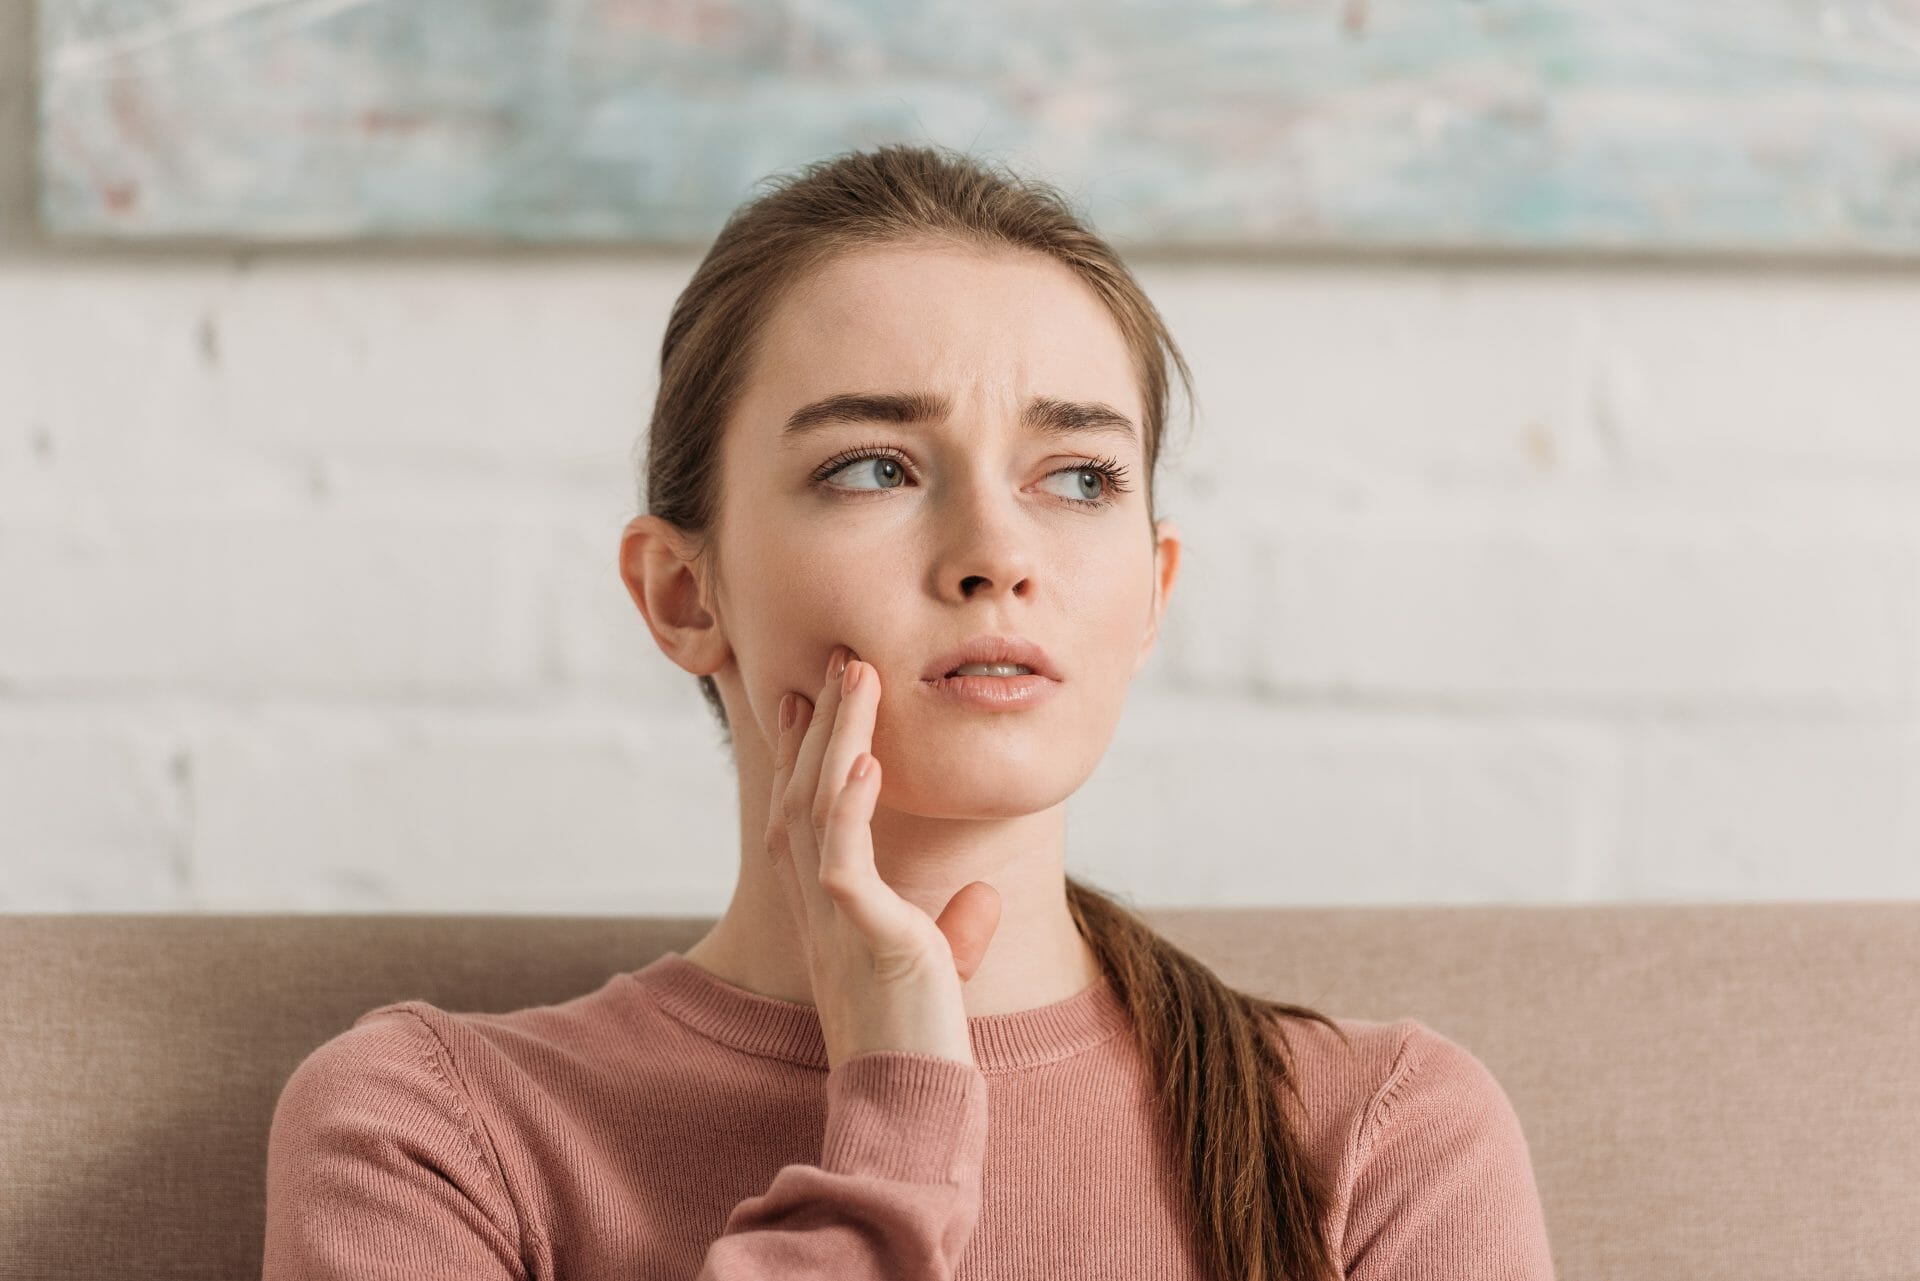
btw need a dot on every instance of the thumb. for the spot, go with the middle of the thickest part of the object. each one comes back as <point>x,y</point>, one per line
<point>969,920</point>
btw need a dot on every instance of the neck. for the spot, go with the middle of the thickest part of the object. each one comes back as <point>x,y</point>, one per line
<point>1037,955</point>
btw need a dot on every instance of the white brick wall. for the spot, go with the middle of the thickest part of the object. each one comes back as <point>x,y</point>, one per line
<point>1501,583</point>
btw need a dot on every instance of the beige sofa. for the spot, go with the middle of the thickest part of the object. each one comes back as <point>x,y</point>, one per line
<point>1709,1091</point>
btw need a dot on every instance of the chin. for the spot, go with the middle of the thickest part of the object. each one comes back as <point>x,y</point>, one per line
<point>1007,789</point>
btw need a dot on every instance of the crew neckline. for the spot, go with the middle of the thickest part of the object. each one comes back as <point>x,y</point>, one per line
<point>790,1030</point>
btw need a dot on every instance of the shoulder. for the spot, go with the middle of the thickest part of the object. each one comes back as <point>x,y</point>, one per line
<point>1442,1179</point>
<point>1340,1070</point>
<point>1373,1074</point>
<point>389,1050</point>
<point>380,1107</point>
<point>1429,1170</point>
<point>391,1069</point>
<point>1435,1080</point>
<point>484,1050</point>
<point>499,1075</point>
<point>466,1074</point>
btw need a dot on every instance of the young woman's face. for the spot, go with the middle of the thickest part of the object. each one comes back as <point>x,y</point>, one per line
<point>975,523</point>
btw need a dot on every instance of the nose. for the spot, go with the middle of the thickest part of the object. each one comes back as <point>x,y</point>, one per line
<point>986,551</point>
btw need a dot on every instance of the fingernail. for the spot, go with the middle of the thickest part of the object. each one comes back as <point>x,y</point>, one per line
<point>786,712</point>
<point>837,661</point>
<point>852,678</point>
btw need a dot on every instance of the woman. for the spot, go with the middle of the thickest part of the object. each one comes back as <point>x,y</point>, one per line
<point>908,419</point>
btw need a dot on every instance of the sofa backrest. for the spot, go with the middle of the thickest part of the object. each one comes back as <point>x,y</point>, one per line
<point>1708,1090</point>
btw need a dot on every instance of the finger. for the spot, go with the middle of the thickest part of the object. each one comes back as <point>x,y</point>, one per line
<point>969,921</point>
<point>788,837</point>
<point>797,800</point>
<point>779,851</point>
<point>852,737</point>
<point>804,786</point>
<point>847,872</point>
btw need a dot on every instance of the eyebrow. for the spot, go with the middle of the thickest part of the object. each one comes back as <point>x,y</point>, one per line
<point>1048,415</point>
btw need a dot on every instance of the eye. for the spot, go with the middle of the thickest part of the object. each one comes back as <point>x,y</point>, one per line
<point>1112,478</point>
<point>891,469</point>
<point>1092,483</point>
<point>888,468</point>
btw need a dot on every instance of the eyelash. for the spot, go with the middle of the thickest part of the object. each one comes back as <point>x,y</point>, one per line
<point>1111,468</point>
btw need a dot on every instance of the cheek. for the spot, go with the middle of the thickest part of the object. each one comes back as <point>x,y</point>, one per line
<point>1107,611</point>
<point>783,626</point>
<point>794,593</point>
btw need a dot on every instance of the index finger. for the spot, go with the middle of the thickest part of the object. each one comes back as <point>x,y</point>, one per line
<point>805,782</point>
<point>852,733</point>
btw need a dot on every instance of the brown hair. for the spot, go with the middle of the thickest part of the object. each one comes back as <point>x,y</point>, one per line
<point>1257,1202</point>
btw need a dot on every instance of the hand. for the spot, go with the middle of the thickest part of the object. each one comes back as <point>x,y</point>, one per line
<point>885,975</point>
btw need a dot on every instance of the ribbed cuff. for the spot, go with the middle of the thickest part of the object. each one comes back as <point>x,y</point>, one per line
<point>904,1115</point>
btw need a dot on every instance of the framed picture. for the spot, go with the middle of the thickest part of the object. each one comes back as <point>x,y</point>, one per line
<point>1767,125</point>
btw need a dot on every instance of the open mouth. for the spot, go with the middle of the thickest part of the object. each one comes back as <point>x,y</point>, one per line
<point>967,687</point>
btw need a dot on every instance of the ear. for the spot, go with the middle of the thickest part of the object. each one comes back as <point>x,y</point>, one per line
<point>658,563</point>
<point>1166,567</point>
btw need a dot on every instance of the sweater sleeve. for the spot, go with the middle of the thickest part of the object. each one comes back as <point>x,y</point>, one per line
<point>896,1194</point>
<point>1445,1186</point>
<point>375,1168</point>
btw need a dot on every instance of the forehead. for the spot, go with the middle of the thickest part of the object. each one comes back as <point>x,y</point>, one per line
<point>965,324</point>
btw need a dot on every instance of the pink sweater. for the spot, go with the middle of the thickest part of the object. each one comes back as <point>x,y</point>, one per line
<point>671,1126</point>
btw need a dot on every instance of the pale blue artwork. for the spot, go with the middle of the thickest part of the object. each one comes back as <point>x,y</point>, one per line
<point>1747,125</point>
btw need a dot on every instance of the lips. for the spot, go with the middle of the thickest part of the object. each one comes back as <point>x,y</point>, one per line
<point>993,649</point>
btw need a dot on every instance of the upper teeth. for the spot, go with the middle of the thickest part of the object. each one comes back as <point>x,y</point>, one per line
<point>991,669</point>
